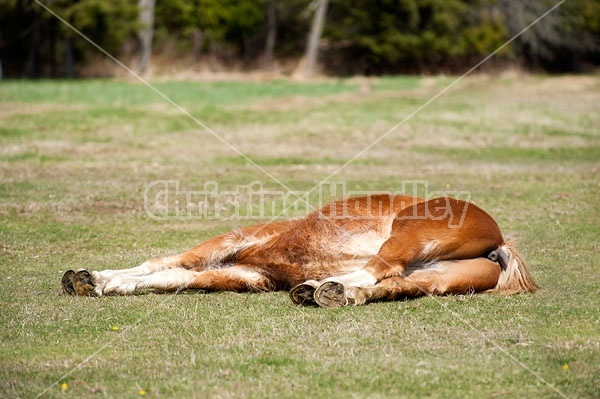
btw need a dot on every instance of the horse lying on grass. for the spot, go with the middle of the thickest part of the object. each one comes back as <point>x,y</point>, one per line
<point>351,252</point>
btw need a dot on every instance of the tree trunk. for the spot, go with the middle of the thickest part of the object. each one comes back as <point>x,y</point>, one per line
<point>146,32</point>
<point>271,34</point>
<point>33,56</point>
<point>68,57</point>
<point>1,55</point>
<point>314,37</point>
<point>196,47</point>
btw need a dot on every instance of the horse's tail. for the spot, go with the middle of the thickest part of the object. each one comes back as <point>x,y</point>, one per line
<point>514,277</point>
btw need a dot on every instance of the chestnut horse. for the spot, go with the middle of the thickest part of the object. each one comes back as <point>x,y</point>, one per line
<point>351,252</point>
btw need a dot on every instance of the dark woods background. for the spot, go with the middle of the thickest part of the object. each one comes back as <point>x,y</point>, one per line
<point>367,37</point>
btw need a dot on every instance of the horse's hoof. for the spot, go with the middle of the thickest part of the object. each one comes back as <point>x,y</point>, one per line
<point>331,295</point>
<point>303,294</point>
<point>83,283</point>
<point>67,282</point>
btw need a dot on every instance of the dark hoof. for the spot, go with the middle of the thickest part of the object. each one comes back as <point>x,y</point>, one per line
<point>303,294</point>
<point>83,283</point>
<point>67,282</point>
<point>331,295</point>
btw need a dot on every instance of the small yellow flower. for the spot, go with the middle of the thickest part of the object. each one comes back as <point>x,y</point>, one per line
<point>447,185</point>
<point>115,328</point>
<point>142,392</point>
<point>64,386</point>
<point>565,367</point>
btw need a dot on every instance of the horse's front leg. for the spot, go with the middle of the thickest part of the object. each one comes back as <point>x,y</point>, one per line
<point>85,283</point>
<point>446,277</point>
<point>304,294</point>
<point>234,278</point>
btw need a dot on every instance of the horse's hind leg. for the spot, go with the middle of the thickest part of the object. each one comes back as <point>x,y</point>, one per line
<point>447,277</point>
<point>439,229</point>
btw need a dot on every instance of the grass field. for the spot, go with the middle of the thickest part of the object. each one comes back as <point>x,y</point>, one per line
<point>76,157</point>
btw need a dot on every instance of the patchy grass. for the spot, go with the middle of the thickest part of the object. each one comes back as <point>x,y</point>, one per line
<point>76,157</point>
<point>513,155</point>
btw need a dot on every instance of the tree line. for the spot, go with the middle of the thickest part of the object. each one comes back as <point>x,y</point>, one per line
<point>342,37</point>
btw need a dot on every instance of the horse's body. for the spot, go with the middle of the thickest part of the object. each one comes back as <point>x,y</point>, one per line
<point>350,252</point>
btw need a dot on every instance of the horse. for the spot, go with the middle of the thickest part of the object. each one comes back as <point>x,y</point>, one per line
<point>350,252</point>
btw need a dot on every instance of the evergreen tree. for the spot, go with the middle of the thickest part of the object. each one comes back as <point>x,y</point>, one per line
<point>41,45</point>
<point>386,36</point>
<point>360,36</point>
<point>567,39</point>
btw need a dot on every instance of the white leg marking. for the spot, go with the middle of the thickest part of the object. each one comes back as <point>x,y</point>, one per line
<point>168,280</point>
<point>245,273</point>
<point>358,278</point>
<point>148,267</point>
<point>172,279</point>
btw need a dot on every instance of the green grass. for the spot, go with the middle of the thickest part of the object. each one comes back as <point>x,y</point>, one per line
<point>76,157</point>
<point>100,93</point>
<point>514,155</point>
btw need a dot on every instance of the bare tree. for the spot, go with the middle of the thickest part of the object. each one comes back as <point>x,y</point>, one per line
<point>146,32</point>
<point>69,59</point>
<point>314,37</point>
<point>197,40</point>
<point>271,33</point>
